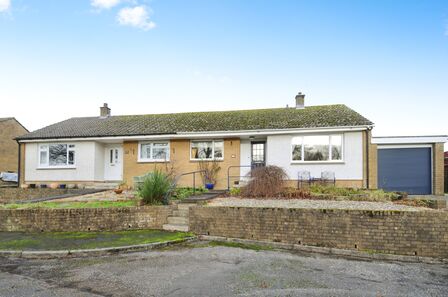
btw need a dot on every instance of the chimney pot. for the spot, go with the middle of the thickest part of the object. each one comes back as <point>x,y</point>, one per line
<point>300,100</point>
<point>104,111</point>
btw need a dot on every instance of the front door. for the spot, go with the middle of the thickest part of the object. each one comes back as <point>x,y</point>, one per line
<point>113,162</point>
<point>258,153</point>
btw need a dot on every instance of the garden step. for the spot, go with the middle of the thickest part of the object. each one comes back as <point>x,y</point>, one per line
<point>178,220</point>
<point>102,186</point>
<point>185,206</point>
<point>173,227</point>
<point>181,213</point>
<point>203,197</point>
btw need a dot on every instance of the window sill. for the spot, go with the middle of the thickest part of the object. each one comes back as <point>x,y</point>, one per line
<point>55,167</point>
<point>206,160</point>
<point>153,161</point>
<point>316,162</point>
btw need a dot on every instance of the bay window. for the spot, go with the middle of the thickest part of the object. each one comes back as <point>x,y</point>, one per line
<point>207,150</point>
<point>56,155</point>
<point>317,148</point>
<point>154,151</point>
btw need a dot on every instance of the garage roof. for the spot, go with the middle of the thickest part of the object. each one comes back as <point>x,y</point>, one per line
<point>410,139</point>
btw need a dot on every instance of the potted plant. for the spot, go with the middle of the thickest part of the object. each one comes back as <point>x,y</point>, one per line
<point>120,188</point>
<point>209,173</point>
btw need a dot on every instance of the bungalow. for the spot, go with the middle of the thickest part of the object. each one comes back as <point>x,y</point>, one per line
<point>109,149</point>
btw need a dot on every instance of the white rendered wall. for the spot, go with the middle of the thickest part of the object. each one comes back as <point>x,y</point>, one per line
<point>99,161</point>
<point>279,154</point>
<point>88,158</point>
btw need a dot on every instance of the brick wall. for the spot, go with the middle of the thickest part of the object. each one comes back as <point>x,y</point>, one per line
<point>86,219</point>
<point>438,171</point>
<point>373,163</point>
<point>396,232</point>
<point>13,194</point>
<point>179,161</point>
<point>9,149</point>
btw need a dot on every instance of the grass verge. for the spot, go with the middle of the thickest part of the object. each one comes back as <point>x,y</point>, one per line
<point>51,241</point>
<point>74,204</point>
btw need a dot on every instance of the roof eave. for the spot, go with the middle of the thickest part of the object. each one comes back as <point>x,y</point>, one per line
<point>202,134</point>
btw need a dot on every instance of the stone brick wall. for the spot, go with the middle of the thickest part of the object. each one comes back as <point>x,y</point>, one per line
<point>373,163</point>
<point>422,233</point>
<point>438,171</point>
<point>86,219</point>
<point>13,194</point>
<point>9,149</point>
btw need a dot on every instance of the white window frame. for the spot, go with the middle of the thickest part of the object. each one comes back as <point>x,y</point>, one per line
<point>151,159</point>
<point>46,164</point>
<point>317,161</point>
<point>213,149</point>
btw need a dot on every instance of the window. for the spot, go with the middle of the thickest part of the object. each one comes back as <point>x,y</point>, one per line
<point>154,151</point>
<point>318,148</point>
<point>56,155</point>
<point>207,150</point>
<point>258,152</point>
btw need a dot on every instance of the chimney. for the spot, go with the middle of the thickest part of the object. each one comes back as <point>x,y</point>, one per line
<point>300,100</point>
<point>104,111</point>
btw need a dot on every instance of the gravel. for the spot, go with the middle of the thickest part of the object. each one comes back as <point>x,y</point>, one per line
<point>313,204</point>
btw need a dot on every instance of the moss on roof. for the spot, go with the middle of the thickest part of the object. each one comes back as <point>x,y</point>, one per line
<point>156,124</point>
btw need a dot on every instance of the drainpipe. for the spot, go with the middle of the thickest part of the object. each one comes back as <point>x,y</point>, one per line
<point>19,163</point>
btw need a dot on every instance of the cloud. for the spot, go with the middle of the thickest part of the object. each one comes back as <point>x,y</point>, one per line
<point>103,4</point>
<point>5,5</point>
<point>137,16</point>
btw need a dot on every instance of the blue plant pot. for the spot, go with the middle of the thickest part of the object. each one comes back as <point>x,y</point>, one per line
<point>209,186</point>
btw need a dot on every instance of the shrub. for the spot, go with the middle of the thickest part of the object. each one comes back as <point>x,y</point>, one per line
<point>265,181</point>
<point>185,192</point>
<point>154,188</point>
<point>332,192</point>
<point>235,192</point>
<point>292,193</point>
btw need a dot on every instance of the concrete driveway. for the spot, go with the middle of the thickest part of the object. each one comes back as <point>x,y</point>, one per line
<point>200,270</point>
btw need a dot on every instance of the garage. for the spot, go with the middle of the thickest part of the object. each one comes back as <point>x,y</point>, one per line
<point>411,164</point>
<point>405,170</point>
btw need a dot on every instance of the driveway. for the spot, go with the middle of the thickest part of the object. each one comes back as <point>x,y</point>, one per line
<point>201,270</point>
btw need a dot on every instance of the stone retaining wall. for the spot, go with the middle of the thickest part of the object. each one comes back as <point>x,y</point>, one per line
<point>84,219</point>
<point>423,233</point>
<point>14,194</point>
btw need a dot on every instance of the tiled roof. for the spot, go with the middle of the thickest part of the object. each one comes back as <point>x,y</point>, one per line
<point>156,124</point>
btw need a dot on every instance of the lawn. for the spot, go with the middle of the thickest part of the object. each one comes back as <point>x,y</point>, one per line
<point>71,204</point>
<point>83,240</point>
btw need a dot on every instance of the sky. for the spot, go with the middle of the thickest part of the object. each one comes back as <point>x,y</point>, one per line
<point>388,60</point>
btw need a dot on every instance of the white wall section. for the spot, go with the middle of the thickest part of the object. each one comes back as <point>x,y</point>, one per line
<point>89,164</point>
<point>279,154</point>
